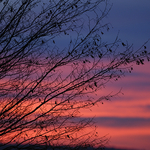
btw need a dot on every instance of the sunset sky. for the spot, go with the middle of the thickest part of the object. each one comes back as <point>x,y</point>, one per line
<point>126,118</point>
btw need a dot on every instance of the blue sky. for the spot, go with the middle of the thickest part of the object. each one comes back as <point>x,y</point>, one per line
<point>131,17</point>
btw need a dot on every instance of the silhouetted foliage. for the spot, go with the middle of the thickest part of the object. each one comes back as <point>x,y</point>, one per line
<point>44,81</point>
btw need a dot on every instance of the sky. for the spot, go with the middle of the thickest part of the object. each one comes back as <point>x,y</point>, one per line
<point>126,118</point>
<point>131,18</point>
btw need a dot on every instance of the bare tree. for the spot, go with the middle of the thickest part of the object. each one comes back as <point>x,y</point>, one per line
<point>45,82</point>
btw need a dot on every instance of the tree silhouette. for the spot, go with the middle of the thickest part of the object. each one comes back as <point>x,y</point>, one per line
<point>44,81</point>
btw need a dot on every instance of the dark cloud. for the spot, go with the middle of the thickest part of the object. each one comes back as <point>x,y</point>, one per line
<point>118,122</point>
<point>147,107</point>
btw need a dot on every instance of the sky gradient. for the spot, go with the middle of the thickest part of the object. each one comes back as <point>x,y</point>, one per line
<point>126,118</point>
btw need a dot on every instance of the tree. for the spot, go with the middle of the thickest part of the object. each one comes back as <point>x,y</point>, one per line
<point>44,84</point>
